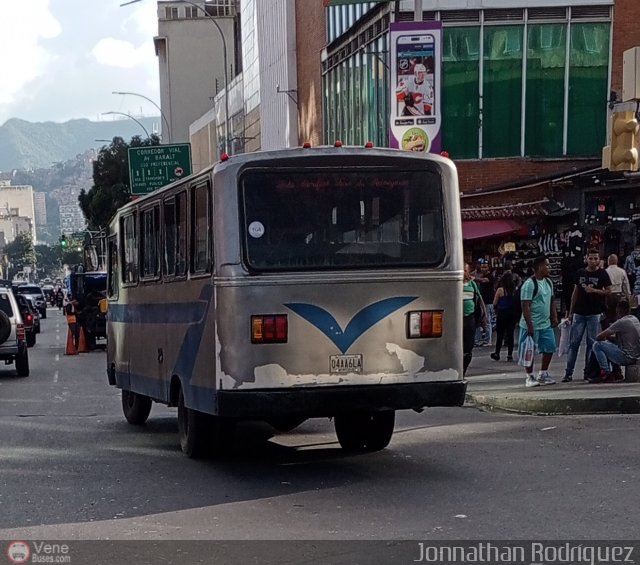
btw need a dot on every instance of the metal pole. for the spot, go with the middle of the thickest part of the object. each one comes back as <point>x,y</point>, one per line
<point>226,76</point>
<point>129,116</point>
<point>417,12</point>
<point>152,102</point>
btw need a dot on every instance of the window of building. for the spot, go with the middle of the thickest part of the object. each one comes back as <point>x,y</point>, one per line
<point>191,12</point>
<point>200,229</point>
<point>170,13</point>
<point>544,113</point>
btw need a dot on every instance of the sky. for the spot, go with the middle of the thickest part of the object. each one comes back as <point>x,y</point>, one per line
<point>61,59</point>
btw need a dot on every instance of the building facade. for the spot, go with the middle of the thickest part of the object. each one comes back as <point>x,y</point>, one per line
<point>40,208</point>
<point>71,219</point>
<point>17,205</point>
<point>262,102</point>
<point>191,56</point>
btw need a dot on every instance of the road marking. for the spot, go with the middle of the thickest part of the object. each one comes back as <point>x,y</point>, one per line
<point>57,357</point>
<point>55,375</point>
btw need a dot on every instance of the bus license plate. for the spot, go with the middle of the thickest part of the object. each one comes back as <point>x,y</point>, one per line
<point>346,363</point>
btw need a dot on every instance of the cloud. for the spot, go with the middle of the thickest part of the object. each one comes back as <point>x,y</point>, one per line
<point>117,53</point>
<point>67,56</point>
<point>22,26</point>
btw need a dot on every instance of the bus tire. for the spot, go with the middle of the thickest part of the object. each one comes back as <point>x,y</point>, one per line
<point>136,407</point>
<point>22,364</point>
<point>193,430</point>
<point>365,431</point>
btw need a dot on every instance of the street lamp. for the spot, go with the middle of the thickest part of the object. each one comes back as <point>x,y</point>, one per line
<point>164,118</point>
<point>128,116</point>
<point>224,54</point>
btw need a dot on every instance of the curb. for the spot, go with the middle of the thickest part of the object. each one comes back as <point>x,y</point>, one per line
<point>555,406</point>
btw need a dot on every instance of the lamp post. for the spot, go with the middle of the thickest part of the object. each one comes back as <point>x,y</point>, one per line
<point>128,116</point>
<point>224,54</point>
<point>164,118</point>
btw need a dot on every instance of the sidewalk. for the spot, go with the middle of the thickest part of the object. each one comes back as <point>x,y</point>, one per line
<point>499,386</point>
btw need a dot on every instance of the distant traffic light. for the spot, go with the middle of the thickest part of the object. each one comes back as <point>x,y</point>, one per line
<point>63,242</point>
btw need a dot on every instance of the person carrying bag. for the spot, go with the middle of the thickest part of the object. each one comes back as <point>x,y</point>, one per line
<point>475,316</point>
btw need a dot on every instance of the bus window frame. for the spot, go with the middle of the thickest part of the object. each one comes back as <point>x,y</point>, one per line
<point>123,263</point>
<point>173,277</point>
<point>113,279</point>
<point>407,167</point>
<point>206,185</point>
<point>154,209</point>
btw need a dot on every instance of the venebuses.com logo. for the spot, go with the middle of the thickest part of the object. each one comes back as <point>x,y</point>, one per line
<point>18,552</point>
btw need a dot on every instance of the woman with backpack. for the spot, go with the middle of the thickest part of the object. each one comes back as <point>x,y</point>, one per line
<point>475,315</point>
<point>505,304</point>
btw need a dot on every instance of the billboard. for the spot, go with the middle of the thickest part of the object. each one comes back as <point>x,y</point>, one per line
<point>416,81</point>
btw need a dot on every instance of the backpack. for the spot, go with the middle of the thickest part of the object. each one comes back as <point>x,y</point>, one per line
<point>535,292</point>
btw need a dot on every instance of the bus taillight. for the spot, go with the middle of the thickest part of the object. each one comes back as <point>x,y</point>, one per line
<point>425,323</point>
<point>269,329</point>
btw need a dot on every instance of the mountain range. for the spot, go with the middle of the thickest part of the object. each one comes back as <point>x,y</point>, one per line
<point>28,145</point>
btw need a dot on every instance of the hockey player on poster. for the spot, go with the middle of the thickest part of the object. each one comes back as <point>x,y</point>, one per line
<point>416,93</point>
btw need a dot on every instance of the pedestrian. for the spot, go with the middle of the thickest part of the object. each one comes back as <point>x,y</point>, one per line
<point>485,281</point>
<point>71,313</point>
<point>632,267</point>
<point>592,285</point>
<point>626,350</point>
<point>504,304</point>
<point>620,289</point>
<point>474,316</point>
<point>539,317</point>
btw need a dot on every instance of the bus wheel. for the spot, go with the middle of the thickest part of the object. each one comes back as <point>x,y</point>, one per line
<point>136,407</point>
<point>193,429</point>
<point>365,431</point>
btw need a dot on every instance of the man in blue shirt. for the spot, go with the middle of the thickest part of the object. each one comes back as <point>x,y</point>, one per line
<point>539,317</point>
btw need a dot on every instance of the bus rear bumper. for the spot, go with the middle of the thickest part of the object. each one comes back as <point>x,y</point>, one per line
<point>328,401</point>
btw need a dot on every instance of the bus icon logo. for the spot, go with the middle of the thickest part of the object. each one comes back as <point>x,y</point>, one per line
<point>178,171</point>
<point>18,552</point>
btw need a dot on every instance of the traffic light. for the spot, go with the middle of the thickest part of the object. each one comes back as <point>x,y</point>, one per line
<point>624,142</point>
<point>63,242</point>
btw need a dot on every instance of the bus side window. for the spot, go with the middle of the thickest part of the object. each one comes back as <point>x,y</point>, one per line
<point>129,249</point>
<point>113,268</point>
<point>200,230</point>
<point>175,235</point>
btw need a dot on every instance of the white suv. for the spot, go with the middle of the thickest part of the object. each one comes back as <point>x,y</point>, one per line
<point>13,345</point>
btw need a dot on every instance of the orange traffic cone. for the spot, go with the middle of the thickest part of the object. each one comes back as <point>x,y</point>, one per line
<point>71,346</point>
<point>82,345</point>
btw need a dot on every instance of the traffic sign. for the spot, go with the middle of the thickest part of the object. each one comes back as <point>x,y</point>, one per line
<point>155,166</point>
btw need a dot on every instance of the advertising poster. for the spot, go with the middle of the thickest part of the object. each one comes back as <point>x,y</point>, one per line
<point>416,81</point>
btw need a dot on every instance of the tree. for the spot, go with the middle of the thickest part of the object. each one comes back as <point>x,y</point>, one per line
<point>110,189</point>
<point>48,259</point>
<point>20,253</point>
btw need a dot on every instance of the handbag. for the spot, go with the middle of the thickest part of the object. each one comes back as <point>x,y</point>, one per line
<point>526,352</point>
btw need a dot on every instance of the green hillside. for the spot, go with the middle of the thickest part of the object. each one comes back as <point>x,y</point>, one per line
<point>27,145</point>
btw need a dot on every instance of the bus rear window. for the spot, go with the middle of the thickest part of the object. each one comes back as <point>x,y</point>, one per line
<point>323,219</point>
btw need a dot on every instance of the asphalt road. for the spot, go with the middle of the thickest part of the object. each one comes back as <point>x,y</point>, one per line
<point>71,468</point>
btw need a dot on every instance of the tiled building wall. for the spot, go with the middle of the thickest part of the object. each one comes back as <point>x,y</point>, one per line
<point>311,29</point>
<point>473,174</point>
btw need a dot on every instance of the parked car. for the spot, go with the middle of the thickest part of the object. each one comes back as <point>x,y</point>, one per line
<point>13,344</point>
<point>35,311</point>
<point>38,295</point>
<point>29,315</point>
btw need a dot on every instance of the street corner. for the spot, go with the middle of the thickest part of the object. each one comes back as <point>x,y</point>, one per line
<point>558,400</point>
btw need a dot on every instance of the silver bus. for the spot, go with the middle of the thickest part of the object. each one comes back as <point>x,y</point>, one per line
<point>287,285</point>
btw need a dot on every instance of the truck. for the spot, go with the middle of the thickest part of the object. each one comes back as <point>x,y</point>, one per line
<point>88,289</point>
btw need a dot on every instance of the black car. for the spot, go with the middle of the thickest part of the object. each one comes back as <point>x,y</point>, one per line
<point>36,313</point>
<point>29,315</point>
<point>36,292</point>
